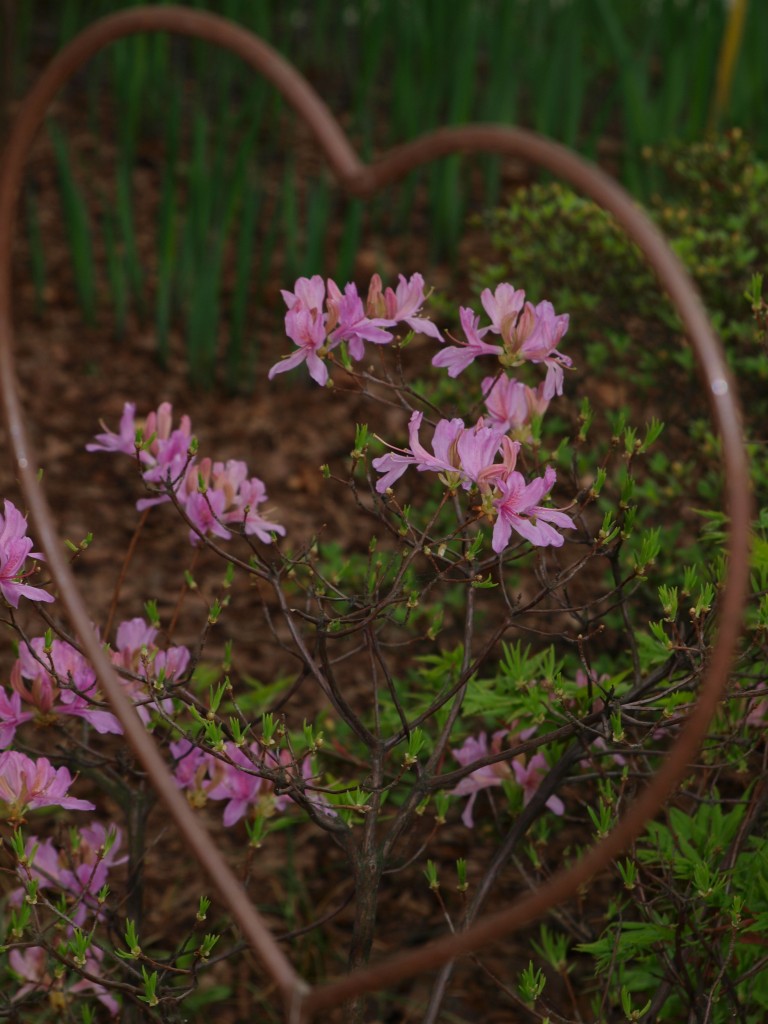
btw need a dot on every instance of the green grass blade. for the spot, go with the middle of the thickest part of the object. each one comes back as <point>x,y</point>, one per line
<point>243,286</point>
<point>78,227</point>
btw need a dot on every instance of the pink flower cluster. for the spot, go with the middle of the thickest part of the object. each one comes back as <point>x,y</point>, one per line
<point>145,665</point>
<point>527,775</point>
<point>15,549</point>
<point>528,333</point>
<point>32,967</point>
<point>511,405</point>
<point>79,870</point>
<point>26,784</point>
<point>48,682</point>
<point>466,456</point>
<point>206,777</point>
<point>214,495</point>
<point>318,321</point>
<point>484,455</point>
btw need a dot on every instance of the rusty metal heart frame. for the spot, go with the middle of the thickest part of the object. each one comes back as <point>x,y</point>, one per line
<point>301,1001</point>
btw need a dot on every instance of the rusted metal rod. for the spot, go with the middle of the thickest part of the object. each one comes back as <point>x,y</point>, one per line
<point>359,179</point>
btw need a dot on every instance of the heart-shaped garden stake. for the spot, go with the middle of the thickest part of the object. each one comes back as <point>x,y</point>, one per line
<point>303,1002</point>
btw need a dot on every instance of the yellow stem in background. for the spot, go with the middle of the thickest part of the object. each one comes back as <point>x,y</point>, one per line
<point>729,51</point>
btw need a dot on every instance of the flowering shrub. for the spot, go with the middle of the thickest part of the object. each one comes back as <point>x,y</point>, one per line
<point>408,654</point>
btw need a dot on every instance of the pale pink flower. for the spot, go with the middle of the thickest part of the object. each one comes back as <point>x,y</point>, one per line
<point>307,329</point>
<point>213,494</point>
<point>518,509</point>
<point>26,785</point>
<point>132,635</point>
<point>511,405</point>
<point>191,770</point>
<point>402,305</point>
<point>124,441</point>
<point>166,451</point>
<point>503,307</point>
<point>477,448</point>
<point>11,717</point>
<point>461,455</point>
<point>309,293</point>
<point>136,652</point>
<point>347,321</point>
<point>234,783</point>
<point>15,549</point>
<point>205,512</point>
<point>539,332</point>
<point>80,870</point>
<point>244,511</point>
<point>583,680</point>
<point>172,663</point>
<point>600,744</point>
<point>229,496</point>
<point>756,712</point>
<point>60,681</point>
<point>168,458</point>
<point>164,456</point>
<point>475,749</point>
<point>530,777</point>
<point>227,477</point>
<point>456,358</point>
<point>394,464</point>
<point>31,965</point>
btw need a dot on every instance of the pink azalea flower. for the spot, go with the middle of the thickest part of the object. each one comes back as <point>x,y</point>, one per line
<point>165,456</point>
<point>462,455</point>
<point>26,785</point>
<point>205,511</point>
<point>131,636</point>
<point>166,453</point>
<point>244,511</point>
<point>167,463</point>
<point>136,652</point>
<point>512,405</point>
<point>402,305</point>
<point>124,441</point>
<point>59,682</point>
<point>172,663</point>
<point>191,769</point>
<point>11,717</point>
<point>600,744</point>
<point>240,788</point>
<point>306,328</point>
<point>529,777</point>
<point>226,494</point>
<point>539,331</point>
<point>227,477</point>
<point>477,448</point>
<point>394,464</point>
<point>15,549</point>
<point>503,307</point>
<point>456,358</point>
<point>309,293</point>
<point>474,749</point>
<point>31,965</point>
<point>347,321</point>
<point>80,871</point>
<point>518,509</point>
<point>230,497</point>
